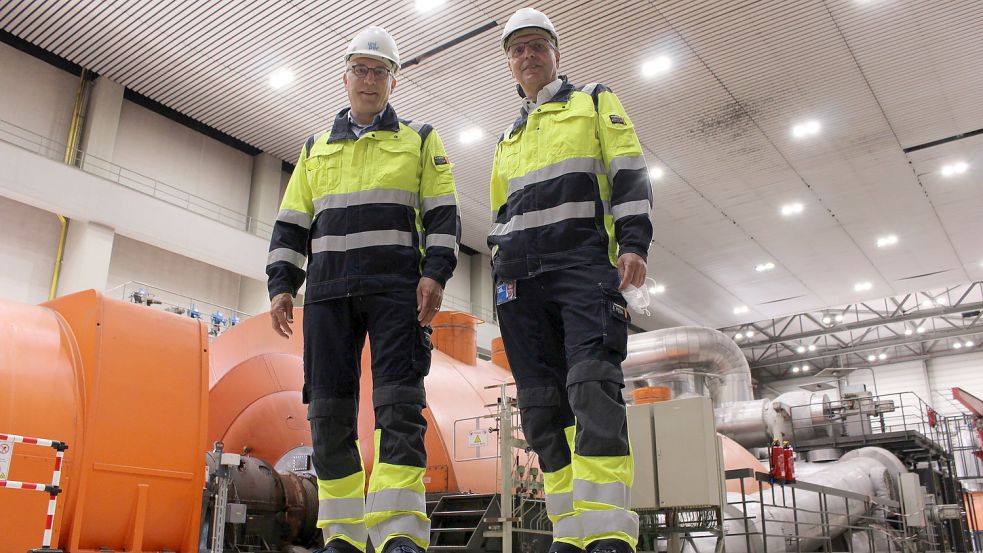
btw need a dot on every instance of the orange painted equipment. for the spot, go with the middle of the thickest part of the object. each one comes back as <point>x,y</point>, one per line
<point>498,353</point>
<point>454,334</point>
<point>126,387</point>
<point>651,394</point>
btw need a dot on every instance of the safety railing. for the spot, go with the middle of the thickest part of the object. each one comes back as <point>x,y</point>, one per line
<point>7,442</point>
<point>52,149</point>
<point>218,318</point>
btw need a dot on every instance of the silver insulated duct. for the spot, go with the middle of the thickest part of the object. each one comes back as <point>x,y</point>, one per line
<point>687,359</point>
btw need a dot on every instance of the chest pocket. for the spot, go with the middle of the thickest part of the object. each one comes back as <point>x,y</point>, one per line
<point>324,168</point>
<point>511,148</point>
<point>396,165</point>
<point>570,130</point>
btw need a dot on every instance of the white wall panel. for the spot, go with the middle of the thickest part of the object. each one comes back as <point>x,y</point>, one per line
<point>27,251</point>
<point>137,261</point>
<point>964,371</point>
<point>35,95</point>
<point>174,154</point>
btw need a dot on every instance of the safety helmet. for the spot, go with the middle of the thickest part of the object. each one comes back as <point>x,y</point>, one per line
<point>375,42</point>
<point>529,18</point>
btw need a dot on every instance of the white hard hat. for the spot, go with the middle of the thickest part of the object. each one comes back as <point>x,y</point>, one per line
<point>529,18</point>
<point>375,42</point>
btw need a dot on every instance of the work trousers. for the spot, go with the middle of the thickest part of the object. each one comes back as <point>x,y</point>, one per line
<point>565,336</point>
<point>334,335</point>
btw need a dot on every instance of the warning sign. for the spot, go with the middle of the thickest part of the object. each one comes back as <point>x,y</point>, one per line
<point>6,452</point>
<point>477,438</point>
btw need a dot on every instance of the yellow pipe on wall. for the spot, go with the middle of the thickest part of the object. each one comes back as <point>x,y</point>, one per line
<point>71,156</point>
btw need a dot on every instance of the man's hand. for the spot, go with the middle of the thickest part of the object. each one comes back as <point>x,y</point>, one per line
<point>282,314</point>
<point>631,269</point>
<point>429,295</point>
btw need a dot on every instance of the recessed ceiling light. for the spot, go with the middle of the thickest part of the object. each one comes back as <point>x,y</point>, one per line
<point>657,289</point>
<point>908,332</point>
<point>957,345</point>
<point>740,309</point>
<point>428,5</point>
<point>656,66</point>
<point>885,241</point>
<point>882,356</point>
<point>281,78</point>
<point>762,267</point>
<point>871,358</point>
<point>956,168</point>
<point>920,330</point>
<point>800,349</point>
<point>795,369</point>
<point>862,286</point>
<point>471,135</point>
<point>792,209</point>
<point>809,128</point>
<point>812,347</point>
<point>656,173</point>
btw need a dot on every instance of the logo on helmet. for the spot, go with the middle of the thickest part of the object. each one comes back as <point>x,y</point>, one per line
<point>373,46</point>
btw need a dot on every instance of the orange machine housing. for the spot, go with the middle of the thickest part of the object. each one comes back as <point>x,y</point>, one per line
<point>125,386</point>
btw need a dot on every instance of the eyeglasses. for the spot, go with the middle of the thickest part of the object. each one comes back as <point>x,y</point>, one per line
<point>362,71</point>
<point>538,46</point>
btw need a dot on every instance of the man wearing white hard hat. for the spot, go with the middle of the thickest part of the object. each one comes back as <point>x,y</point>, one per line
<point>570,199</point>
<point>370,220</point>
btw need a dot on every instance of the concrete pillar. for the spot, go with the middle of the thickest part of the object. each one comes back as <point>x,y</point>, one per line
<point>264,191</point>
<point>101,126</point>
<point>88,251</point>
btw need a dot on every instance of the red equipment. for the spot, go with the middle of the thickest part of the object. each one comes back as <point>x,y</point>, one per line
<point>777,461</point>
<point>788,454</point>
<point>975,406</point>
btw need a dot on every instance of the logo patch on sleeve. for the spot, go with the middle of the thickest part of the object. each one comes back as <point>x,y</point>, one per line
<point>440,160</point>
<point>617,120</point>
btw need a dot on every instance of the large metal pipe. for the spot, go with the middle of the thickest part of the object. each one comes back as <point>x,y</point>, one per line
<point>696,352</point>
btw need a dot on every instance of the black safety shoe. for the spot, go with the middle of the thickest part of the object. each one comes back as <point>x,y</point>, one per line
<point>563,547</point>
<point>337,546</point>
<point>401,545</point>
<point>609,546</point>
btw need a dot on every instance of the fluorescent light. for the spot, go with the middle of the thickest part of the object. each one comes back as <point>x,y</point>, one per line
<point>908,332</point>
<point>795,369</point>
<point>871,358</point>
<point>471,135</point>
<point>800,349</point>
<point>281,78</point>
<point>740,309</point>
<point>656,66</point>
<point>656,173</point>
<point>762,267</point>
<point>792,209</point>
<point>888,240</point>
<point>657,289</point>
<point>862,286</point>
<point>920,330</point>
<point>956,168</point>
<point>812,347</point>
<point>428,5</point>
<point>957,345</point>
<point>882,356</point>
<point>808,128</point>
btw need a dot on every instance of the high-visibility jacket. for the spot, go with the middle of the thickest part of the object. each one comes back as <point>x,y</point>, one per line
<point>368,214</point>
<point>569,186</point>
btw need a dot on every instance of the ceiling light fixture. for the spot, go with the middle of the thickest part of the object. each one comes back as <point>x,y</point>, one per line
<point>882,356</point>
<point>656,66</point>
<point>968,343</point>
<point>656,173</point>
<point>957,345</point>
<point>795,369</point>
<point>281,78</point>
<point>941,301</point>
<point>740,309</point>
<point>800,349</point>
<point>805,368</point>
<point>827,320</point>
<point>471,135</point>
<point>871,358</point>
<point>888,240</point>
<point>908,332</point>
<point>762,267</point>
<point>956,168</point>
<point>920,330</point>
<point>838,318</point>
<point>812,347</point>
<point>809,128</point>
<point>792,209</point>
<point>862,286</point>
<point>749,333</point>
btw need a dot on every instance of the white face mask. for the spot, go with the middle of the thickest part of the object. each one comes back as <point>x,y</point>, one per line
<point>638,298</point>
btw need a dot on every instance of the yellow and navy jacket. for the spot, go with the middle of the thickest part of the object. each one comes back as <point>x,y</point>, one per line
<point>569,186</point>
<point>366,214</point>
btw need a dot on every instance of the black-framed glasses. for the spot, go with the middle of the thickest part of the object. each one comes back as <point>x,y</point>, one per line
<point>362,71</point>
<point>538,46</point>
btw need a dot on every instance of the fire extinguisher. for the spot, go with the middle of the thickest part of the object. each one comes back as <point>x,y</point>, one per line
<point>777,461</point>
<point>789,456</point>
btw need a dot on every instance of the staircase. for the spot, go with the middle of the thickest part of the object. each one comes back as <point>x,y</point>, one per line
<point>457,522</point>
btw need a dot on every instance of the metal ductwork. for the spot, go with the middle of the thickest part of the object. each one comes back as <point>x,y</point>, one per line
<point>687,359</point>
